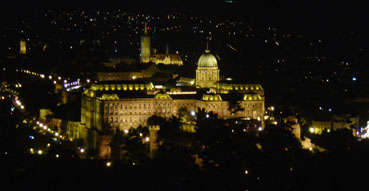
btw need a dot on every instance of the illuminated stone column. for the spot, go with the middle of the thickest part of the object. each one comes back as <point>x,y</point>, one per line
<point>23,47</point>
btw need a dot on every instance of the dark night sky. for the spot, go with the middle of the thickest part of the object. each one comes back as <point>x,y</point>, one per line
<point>298,15</point>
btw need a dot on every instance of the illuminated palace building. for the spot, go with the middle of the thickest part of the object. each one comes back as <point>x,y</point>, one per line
<point>124,104</point>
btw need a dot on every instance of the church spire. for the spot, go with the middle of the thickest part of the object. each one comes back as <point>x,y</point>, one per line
<point>207,46</point>
<point>145,33</point>
<point>167,49</point>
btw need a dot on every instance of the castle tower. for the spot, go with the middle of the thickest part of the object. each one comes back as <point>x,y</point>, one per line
<point>153,129</point>
<point>145,47</point>
<point>207,72</point>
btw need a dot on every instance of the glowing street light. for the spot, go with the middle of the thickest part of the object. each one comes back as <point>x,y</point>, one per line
<point>108,164</point>
<point>193,113</point>
<point>311,129</point>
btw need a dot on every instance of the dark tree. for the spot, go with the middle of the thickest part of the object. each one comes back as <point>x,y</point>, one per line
<point>234,100</point>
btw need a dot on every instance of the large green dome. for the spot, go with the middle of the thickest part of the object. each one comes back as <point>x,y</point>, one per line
<point>207,60</point>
